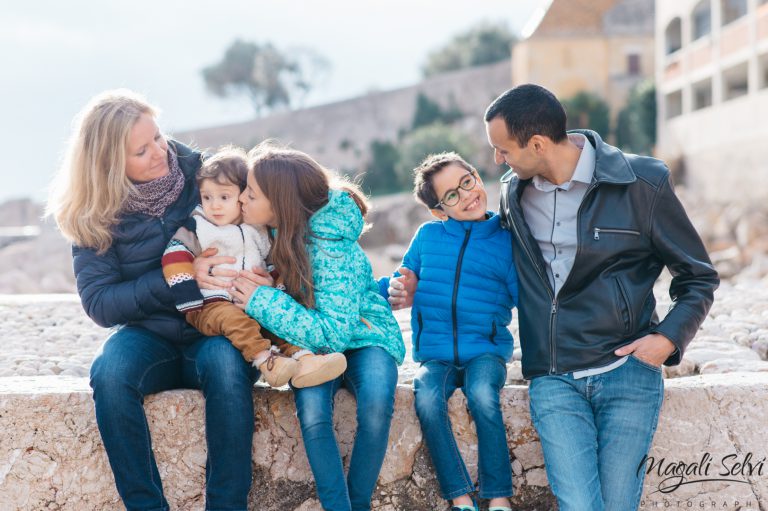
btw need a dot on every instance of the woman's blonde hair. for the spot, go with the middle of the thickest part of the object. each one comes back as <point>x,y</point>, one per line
<point>296,186</point>
<point>91,185</point>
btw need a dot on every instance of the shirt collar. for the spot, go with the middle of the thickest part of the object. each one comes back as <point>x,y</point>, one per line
<point>585,167</point>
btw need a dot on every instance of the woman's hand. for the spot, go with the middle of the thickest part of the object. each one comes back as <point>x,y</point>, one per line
<point>206,272</point>
<point>247,283</point>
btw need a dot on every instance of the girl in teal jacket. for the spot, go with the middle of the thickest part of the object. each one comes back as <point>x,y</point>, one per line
<point>327,301</point>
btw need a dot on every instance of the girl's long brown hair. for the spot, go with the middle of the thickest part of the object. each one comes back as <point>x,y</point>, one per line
<point>296,187</point>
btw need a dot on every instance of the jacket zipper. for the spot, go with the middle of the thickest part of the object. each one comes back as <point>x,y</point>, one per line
<point>493,334</point>
<point>163,227</point>
<point>454,312</point>
<point>625,297</point>
<point>242,236</point>
<point>421,329</point>
<point>598,230</point>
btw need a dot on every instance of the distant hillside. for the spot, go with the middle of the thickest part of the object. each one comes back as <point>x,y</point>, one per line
<point>20,212</point>
<point>339,134</point>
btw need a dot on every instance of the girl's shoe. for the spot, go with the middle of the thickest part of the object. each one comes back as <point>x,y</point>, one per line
<point>278,369</point>
<point>317,369</point>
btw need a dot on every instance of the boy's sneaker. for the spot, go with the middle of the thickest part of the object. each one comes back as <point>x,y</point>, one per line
<point>278,369</point>
<point>317,369</point>
<point>466,507</point>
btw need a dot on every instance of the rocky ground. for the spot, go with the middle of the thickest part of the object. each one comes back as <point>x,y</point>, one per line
<point>736,234</point>
<point>51,335</point>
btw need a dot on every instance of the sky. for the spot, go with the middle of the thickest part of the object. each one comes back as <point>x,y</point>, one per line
<point>55,55</point>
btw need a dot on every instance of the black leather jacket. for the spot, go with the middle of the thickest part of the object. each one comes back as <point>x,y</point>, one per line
<point>630,226</point>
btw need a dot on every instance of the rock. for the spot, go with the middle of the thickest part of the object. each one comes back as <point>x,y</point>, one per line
<point>686,367</point>
<point>702,355</point>
<point>729,365</point>
<point>537,477</point>
<point>761,348</point>
<point>50,334</point>
<point>515,373</point>
<point>51,455</point>
<point>51,452</point>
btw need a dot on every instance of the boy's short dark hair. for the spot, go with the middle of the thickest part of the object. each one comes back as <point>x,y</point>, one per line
<point>529,110</point>
<point>423,189</point>
<point>229,165</point>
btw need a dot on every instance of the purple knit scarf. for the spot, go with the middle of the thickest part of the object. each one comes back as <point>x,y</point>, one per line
<point>153,197</point>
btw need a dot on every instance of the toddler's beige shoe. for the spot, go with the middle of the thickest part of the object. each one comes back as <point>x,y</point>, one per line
<point>317,369</point>
<point>278,369</point>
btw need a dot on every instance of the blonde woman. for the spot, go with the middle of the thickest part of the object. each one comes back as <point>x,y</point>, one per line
<point>123,190</point>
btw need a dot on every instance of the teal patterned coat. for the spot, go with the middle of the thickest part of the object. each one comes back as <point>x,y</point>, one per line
<point>349,312</point>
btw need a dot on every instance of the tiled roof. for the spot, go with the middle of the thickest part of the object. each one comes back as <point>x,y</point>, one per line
<point>596,17</point>
<point>630,17</point>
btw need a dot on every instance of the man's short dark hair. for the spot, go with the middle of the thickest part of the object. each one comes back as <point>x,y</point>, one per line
<point>529,110</point>
<point>423,188</point>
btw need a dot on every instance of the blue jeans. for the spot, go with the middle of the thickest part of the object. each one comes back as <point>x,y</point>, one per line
<point>135,362</point>
<point>371,376</point>
<point>481,379</point>
<point>595,431</point>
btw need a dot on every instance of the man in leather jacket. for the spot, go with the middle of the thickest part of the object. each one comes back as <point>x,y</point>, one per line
<point>592,230</point>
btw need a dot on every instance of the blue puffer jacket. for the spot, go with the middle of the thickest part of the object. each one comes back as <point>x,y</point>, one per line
<point>125,285</point>
<point>467,288</point>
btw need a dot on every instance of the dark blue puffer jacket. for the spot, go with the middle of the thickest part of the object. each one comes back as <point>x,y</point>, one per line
<point>125,285</point>
<point>467,288</point>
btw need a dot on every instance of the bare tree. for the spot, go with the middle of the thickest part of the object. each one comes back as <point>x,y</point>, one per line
<point>269,77</point>
<point>484,43</point>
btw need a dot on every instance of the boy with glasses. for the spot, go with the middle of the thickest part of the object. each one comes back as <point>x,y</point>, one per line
<point>461,310</point>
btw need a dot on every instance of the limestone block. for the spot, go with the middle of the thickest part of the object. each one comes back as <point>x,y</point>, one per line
<point>700,353</point>
<point>51,456</point>
<point>761,348</point>
<point>515,373</point>
<point>718,422</point>
<point>686,367</point>
<point>730,365</point>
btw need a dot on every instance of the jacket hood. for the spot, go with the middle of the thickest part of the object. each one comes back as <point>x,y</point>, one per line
<point>339,219</point>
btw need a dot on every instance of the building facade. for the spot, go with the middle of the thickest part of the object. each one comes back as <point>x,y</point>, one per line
<point>712,95</point>
<point>604,47</point>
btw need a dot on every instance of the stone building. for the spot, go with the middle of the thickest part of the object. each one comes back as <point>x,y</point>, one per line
<point>712,95</point>
<point>600,46</point>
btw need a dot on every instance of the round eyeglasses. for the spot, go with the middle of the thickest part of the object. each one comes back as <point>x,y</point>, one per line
<point>452,196</point>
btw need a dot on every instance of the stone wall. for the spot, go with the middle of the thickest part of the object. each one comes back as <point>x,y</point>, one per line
<point>338,134</point>
<point>51,456</point>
